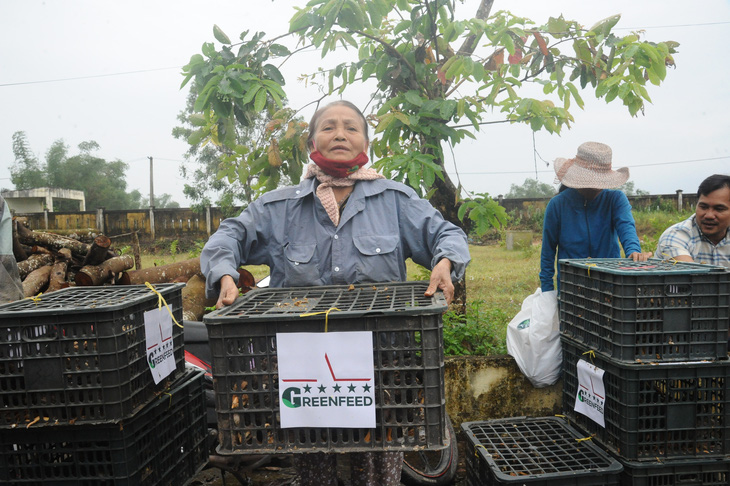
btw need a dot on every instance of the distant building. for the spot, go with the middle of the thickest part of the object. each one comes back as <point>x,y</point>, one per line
<point>37,200</point>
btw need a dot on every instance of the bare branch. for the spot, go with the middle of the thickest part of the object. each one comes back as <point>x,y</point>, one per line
<point>467,48</point>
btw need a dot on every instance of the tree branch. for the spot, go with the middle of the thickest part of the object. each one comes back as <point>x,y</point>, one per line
<point>482,123</point>
<point>467,48</point>
<point>392,51</point>
<point>432,18</point>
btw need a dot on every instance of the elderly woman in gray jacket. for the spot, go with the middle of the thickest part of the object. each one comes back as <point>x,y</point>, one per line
<point>343,224</point>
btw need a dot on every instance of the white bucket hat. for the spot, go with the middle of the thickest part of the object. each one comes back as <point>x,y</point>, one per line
<point>590,169</point>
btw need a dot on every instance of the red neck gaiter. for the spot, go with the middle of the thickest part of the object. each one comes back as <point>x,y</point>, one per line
<point>339,168</point>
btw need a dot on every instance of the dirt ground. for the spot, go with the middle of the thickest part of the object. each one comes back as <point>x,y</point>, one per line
<point>279,472</point>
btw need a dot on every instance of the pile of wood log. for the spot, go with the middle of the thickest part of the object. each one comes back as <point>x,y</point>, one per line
<point>49,261</point>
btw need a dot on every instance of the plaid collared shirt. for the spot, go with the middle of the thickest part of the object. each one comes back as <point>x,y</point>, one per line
<point>686,238</point>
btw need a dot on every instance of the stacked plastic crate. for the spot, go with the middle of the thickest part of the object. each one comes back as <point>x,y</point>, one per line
<point>78,403</point>
<point>408,360</point>
<point>657,331</point>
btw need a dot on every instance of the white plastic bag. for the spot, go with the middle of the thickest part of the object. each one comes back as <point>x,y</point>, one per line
<point>533,338</point>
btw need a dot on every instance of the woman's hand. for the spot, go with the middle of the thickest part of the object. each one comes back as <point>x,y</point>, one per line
<point>441,279</point>
<point>640,257</point>
<point>229,292</point>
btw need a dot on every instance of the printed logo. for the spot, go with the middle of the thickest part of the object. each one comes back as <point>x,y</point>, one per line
<point>524,324</point>
<point>346,392</point>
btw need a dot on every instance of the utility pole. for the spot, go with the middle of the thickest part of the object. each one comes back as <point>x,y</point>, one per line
<point>152,202</point>
<point>152,185</point>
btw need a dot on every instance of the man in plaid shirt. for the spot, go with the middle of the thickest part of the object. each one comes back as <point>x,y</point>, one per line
<point>703,237</point>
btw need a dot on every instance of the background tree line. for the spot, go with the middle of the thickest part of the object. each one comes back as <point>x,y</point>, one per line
<point>535,188</point>
<point>103,182</point>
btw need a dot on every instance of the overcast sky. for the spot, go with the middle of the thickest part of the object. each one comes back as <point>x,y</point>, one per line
<point>109,71</point>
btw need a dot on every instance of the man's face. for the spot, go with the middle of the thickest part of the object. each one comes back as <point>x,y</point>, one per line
<point>713,214</point>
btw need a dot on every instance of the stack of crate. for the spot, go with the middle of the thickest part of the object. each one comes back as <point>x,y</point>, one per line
<point>659,332</point>
<point>78,403</point>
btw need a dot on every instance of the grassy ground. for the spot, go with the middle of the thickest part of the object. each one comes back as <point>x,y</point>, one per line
<point>497,277</point>
<point>502,278</point>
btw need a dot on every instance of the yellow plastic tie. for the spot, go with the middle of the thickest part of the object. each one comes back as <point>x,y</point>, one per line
<point>476,447</point>
<point>326,315</point>
<point>590,354</point>
<point>36,298</point>
<point>589,267</point>
<point>161,300</point>
<point>584,439</point>
<point>169,405</point>
<point>670,259</point>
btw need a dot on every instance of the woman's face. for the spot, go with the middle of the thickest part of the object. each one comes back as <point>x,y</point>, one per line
<point>589,194</point>
<point>340,134</point>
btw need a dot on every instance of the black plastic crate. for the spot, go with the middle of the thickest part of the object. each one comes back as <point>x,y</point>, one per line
<point>646,311</point>
<point>683,473</point>
<point>78,355</point>
<point>408,357</point>
<point>163,444</point>
<point>534,451</point>
<point>655,411</point>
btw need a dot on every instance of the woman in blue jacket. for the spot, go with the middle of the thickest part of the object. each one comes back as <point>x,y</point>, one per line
<point>588,218</point>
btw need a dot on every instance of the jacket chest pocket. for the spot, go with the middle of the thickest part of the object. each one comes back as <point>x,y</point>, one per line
<point>378,258</point>
<point>302,267</point>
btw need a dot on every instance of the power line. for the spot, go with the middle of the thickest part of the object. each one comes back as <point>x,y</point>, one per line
<point>681,161</point>
<point>673,26</point>
<point>89,77</point>
<point>137,159</point>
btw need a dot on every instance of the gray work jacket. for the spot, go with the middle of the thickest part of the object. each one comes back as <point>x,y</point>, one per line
<point>383,224</point>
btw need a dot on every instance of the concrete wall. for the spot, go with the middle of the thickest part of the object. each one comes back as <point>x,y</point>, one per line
<point>678,200</point>
<point>482,388</point>
<point>149,223</point>
<point>184,222</point>
<point>40,199</point>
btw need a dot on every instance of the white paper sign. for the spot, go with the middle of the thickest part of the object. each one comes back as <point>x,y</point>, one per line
<point>326,379</point>
<point>160,348</point>
<point>591,397</point>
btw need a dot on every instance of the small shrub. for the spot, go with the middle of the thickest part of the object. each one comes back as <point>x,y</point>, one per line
<point>197,248</point>
<point>530,251</point>
<point>478,333</point>
<point>173,247</point>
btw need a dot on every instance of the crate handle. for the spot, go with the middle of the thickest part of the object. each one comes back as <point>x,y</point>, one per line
<point>678,289</point>
<point>52,336</point>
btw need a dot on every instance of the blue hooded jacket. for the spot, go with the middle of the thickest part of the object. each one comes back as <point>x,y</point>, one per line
<point>581,229</point>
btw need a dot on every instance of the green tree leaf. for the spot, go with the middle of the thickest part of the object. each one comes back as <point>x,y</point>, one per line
<point>220,35</point>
